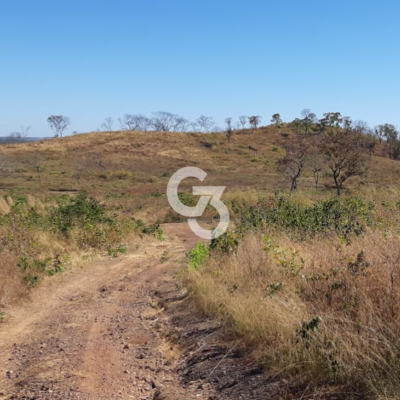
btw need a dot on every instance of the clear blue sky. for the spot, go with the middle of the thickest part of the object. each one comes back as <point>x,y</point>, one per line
<point>91,59</point>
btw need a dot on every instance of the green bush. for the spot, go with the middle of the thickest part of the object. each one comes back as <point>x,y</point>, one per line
<point>198,255</point>
<point>344,216</point>
<point>187,199</point>
<point>78,211</point>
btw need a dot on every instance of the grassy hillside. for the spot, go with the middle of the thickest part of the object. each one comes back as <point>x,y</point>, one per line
<point>127,165</point>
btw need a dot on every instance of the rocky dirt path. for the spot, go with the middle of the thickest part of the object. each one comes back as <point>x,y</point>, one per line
<point>124,329</point>
<point>90,333</point>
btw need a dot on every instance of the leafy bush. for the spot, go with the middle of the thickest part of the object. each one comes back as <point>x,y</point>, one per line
<point>198,255</point>
<point>78,211</point>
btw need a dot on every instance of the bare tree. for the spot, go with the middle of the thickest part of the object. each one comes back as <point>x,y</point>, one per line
<point>362,127</point>
<point>205,123</point>
<point>58,124</point>
<point>19,136</point>
<point>128,122</point>
<point>36,161</point>
<point>293,163</point>
<point>107,124</point>
<point>243,121</point>
<point>229,129</point>
<point>276,119</point>
<point>137,122</point>
<point>163,121</point>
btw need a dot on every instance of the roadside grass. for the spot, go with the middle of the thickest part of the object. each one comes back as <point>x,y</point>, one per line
<point>319,307</point>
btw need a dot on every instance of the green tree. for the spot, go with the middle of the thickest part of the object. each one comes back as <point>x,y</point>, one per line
<point>276,119</point>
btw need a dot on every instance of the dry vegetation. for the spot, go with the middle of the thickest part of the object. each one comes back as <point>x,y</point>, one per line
<point>335,321</point>
<point>319,306</point>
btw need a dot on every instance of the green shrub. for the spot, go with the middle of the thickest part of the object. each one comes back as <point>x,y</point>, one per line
<point>227,242</point>
<point>78,211</point>
<point>345,216</point>
<point>187,199</point>
<point>198,255</point>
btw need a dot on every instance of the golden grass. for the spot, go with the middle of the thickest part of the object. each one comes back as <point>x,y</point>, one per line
<point>141,162</point>
<point>356,307</point>
<point>12,288</point>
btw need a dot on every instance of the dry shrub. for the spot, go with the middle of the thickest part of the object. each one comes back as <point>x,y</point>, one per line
<point>320,310</point>
<point>11,286</point>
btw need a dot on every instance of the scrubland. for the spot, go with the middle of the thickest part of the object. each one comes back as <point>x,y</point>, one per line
<point>309,280</point>
<point>312,286</point>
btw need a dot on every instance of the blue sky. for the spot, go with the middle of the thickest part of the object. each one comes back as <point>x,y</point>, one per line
<point>91,59</point>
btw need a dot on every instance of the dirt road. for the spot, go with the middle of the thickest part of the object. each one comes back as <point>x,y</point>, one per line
<point>90,333</point>
<point>120,329</point>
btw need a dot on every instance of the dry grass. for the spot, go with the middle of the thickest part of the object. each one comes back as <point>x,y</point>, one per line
<point>140,163</point>
<point>12,288</point>
<point>355,305</point>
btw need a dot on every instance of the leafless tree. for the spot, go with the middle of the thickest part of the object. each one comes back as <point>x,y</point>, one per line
<point>107,124</point>
<point>58,124</point>
<point>128,122</point>
<point>361,127</point>
<point>205,123</point>
<point>36,161</point>
<point>229,129</point>
<point>163,121</point>
<point>243,121</point>
<point>137,122</point>
<point>293,163</point>
<point>19,136</point>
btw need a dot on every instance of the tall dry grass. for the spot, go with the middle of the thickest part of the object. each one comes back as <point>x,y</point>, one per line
<point>318,311</point>
<point>12,289</point>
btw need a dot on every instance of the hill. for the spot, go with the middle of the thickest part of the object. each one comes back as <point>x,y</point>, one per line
<point>138,164</point>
